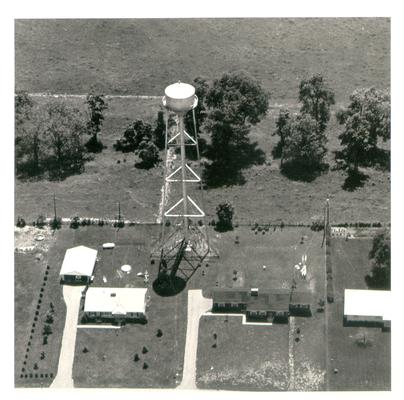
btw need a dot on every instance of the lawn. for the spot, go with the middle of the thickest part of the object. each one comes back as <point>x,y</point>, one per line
<point>239,344</point>
<point>359,367</point>
<point>138,56</point>
<point>109,361</point>
<point>36,287</point>
<point>245,357</point>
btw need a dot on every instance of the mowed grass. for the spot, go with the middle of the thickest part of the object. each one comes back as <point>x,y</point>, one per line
<point>110,359</point>
<point>142,56</point>
<point>245,357</point>
<point>359,368</point>
<point>31,276</point>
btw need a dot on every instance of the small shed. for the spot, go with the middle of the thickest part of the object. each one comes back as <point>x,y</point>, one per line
<point>115,304</point>
<point>78,265</point>
<point>367,308</point>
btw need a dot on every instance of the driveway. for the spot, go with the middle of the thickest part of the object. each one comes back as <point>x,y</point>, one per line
<point>63,379</point>
<point>197,306</point>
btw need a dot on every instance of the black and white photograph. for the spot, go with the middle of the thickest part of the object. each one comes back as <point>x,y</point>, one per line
<point>202,203</point>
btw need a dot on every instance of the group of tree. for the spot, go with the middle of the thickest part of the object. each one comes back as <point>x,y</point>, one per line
<point>380,255</point>
<point>50,138</point>
<point>302,139</point>
<point>140,138</point>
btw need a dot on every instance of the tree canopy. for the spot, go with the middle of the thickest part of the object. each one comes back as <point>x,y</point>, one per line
<point>366,121</point>
<point>96,106</point>
<point>380,255</point>
<point>316,98</point>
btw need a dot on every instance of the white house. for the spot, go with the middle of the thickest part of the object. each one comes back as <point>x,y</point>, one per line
<point>115,304</point>
<point>368,308</point>
<point>78,265</point>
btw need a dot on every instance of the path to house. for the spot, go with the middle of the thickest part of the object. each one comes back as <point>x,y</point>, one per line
<point>64,379</point>
<point>291,360</point>
<point>197,306</point>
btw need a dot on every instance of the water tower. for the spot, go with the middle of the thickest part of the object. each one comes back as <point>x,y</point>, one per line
<point>184,241</point>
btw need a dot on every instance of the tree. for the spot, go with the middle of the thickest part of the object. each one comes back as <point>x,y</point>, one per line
<point>96,106</point>
<point>224,212</point>
<point>234,102</point>
<point>316,100</point>
<point>304,148</point>
<point>148,153</point>
<point>135,133</point>
<point>201,90</point>
<point>282,130</point>
<point>159,133</point>
<point>47,330</point>
<point>22,108</point>
<point>366,120</point>
<point>380,255</point>
<point>63,130</point>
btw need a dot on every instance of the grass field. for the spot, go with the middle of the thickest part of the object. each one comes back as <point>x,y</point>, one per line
<point>359,368</point>
<point>31,276</point>
<point>143,56</point>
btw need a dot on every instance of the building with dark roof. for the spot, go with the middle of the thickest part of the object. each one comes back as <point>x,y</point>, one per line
<point>267,304</point>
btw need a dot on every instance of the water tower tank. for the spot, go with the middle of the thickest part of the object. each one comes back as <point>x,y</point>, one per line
<point>180,97</point>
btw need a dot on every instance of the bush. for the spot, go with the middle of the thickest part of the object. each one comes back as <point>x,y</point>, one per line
<point>20,222</point>
<point>47,330</point>
<point>56,223</point>
<point>144,350</point>
<point>317,225</point>
<point>148,154</point>
<point>119,224</point>
<point>40,221</point>
<point>159,333</point>
<point>224,212</point>
<point>49,319</point>
<point>145,366</point>
<point>75,223</point>
<point>101,222</point>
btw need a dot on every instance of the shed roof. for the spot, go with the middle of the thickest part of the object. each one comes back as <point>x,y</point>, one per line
<point>368,303</point>
<point>79,260</point>
<point>118,301</point>
<point>298,297</point>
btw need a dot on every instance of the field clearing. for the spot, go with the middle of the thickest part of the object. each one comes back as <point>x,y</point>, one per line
<point>32,275</point>
<point>97,191</point>
<point>359,368</point>
<point>140,56</point>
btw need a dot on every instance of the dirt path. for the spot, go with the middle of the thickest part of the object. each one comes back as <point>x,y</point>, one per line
<point>64,379</point>
<point>197,306</point>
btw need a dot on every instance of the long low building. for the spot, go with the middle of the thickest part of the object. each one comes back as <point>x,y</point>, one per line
<point>78,265</point>
<point>367,308</point>
<point>104,304</point>
<point>265,304</point>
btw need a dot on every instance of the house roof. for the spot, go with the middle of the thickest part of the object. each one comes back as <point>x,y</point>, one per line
<point>79,260</point>
<point>118,301</point>
<point>368,303</point>
<point>230,295</point>
<point>300,297</point>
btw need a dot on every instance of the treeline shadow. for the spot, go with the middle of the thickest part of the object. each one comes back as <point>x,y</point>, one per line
<point>229,171</point>
<point>300,171</point>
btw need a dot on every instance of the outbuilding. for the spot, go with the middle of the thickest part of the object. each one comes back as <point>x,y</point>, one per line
<point>367,308</point>
<point>105,304</point>
<point>78,265</point>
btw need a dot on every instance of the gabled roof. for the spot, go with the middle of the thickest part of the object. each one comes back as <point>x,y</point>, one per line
<point>79,260</point>
<point>118,301</point>
<point>368,303</point>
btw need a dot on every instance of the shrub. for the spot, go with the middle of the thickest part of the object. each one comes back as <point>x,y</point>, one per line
<point>159,333</point>
<point>75,222</point>
<point>47,330</point>
<point>148,154</point>
<point>56,223</point>
<point>144,350</point>
<point>49,319</point>
<point>85,350</point>
<point>35,366</point>
<point>224,212</point>
<point>45,340</point>
<point>20,222</point>
<point>136,358</point>
<point>214,345</point>
<point>40,221</point>
<point>100,222</point>
<point>317,225</point>
<point>145,366</point>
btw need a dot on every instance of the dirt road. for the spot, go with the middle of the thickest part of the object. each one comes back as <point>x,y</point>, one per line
<point>197,306</point>
<point>63,379</point>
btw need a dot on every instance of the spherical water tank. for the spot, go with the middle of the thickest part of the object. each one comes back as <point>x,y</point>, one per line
<point>180,97</point>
